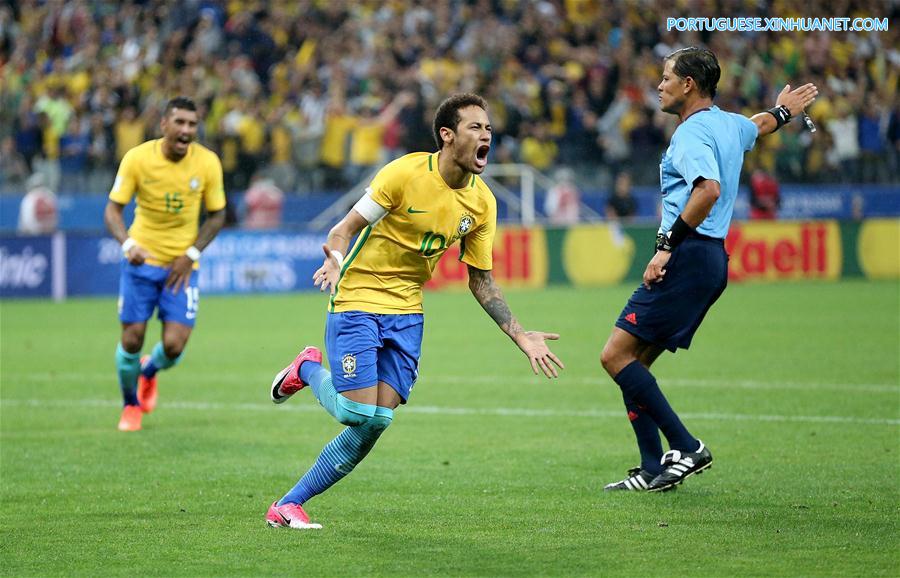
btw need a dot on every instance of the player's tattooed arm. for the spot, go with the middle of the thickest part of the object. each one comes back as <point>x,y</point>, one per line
<point>488,294</point>
<point>532,343</point>
<point>214,222</point>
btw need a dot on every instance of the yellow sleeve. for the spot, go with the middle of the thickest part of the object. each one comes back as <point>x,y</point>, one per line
<point>386,186</point>
<point>125,185</point>
<point>214,195</point>
<point>476,248</point>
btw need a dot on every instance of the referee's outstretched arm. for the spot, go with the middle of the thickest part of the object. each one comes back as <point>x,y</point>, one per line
<point>789,104</point>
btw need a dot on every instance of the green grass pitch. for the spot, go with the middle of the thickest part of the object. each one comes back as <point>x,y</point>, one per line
<point>489,471</point>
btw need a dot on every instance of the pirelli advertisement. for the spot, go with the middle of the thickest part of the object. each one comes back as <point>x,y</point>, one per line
<point>70,264</point>
<point>606,254</point>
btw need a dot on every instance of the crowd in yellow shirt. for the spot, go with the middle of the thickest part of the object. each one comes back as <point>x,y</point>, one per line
<point>300,89</point>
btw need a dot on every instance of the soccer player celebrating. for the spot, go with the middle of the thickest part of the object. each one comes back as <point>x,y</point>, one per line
<point>415,208</point>
<point>171,177</point>
<point>699,176</point>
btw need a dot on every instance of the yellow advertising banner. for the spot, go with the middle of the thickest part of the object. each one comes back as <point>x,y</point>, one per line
<point>597,255</point>
<point>781,250</point>
<point>878,248</point>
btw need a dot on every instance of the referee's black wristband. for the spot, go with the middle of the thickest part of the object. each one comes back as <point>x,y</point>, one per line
<point>782,115</point>
<point>671,239</point>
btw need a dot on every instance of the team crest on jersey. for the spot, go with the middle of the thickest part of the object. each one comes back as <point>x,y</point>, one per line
<point>194,183</point>
<point>465,224</point>
<point>348,364</point>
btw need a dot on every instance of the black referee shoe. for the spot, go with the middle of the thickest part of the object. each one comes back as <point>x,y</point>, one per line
<point>679,466</point>
<point>637,481</point>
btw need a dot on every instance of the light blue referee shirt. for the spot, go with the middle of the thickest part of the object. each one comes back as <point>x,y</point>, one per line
<point>710,144</point>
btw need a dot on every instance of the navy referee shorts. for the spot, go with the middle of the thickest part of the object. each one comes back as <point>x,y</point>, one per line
<point>669,313</point>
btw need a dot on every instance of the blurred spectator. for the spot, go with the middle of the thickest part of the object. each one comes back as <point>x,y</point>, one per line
<point>282,125</point>
<point>129,131</point>
<point>765,197</point>
<point>74,146</point>
<point>872,140</point>
<point>264,202</point>
<point>844,154</point>
<point>47,162</point>
<point>538,149</point>
<point>13,168</point>
<point>367,150</point>
<point>621,205</point>
<point>251,133</point>
<point>646,141</point>
<point>28,134</point>
<point>100,155</point>
<point>38,211</point>
<point>563,202</point>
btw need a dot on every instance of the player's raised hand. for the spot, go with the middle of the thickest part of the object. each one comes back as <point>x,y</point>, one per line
<point>327,276</point>
<point>798,99</point>
<point>532,344</point>
<point>180,273</point>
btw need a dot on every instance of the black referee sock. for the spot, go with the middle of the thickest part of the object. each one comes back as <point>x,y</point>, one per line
<point>638,383</point>
<point>647,435</point>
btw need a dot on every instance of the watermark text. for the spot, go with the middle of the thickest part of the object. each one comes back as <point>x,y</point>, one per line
<point>758,24</point>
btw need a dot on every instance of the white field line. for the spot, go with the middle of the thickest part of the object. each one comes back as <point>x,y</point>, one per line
<point>463,411</point>
<point>69,377</point>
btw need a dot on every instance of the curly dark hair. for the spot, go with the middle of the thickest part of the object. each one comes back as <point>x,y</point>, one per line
<point>447,114</point>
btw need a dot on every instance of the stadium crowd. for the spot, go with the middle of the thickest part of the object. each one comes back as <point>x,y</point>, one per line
<point>316,93</point>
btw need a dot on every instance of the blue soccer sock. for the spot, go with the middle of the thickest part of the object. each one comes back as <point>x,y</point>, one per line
<point>346,411</point>
<point>647,435</point>
<point>312,372</point>
<point>638,383</point>
<point>128,366</point>
<point>339,457</point>
<point>158,361</point>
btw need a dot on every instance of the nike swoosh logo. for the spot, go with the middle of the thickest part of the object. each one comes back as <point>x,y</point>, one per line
<point>414,211</point>
<point>151,181</point>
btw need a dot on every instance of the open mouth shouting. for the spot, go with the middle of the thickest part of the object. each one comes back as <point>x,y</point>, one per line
<point>481,157</point>
<point>182,142</point>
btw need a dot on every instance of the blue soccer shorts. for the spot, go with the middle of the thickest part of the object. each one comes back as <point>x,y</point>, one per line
<point>669,313</point>
<point>142,288</point>
<point>365,348</point>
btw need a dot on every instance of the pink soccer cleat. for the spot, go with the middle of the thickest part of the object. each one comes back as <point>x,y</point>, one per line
<point>288,381</point>
<point>289,516</point>
<point>131,418</point>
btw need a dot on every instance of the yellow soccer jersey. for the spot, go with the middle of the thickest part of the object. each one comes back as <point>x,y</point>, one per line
<point>392,259</point>
<point>169,195</point>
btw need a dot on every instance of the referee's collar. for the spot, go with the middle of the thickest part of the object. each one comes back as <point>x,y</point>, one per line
<point>700,110</point>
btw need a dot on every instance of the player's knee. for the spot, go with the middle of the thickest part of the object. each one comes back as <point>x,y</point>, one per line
<point>352,413</point>
<point>132,342</point>
<point>173,350</point>
<point>608,358</point>
<point>372,418</point>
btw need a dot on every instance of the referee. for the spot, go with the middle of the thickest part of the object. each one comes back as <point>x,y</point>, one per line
<point>699,176</point>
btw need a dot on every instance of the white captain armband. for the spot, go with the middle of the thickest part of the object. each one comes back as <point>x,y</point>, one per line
<point>369,209</point>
